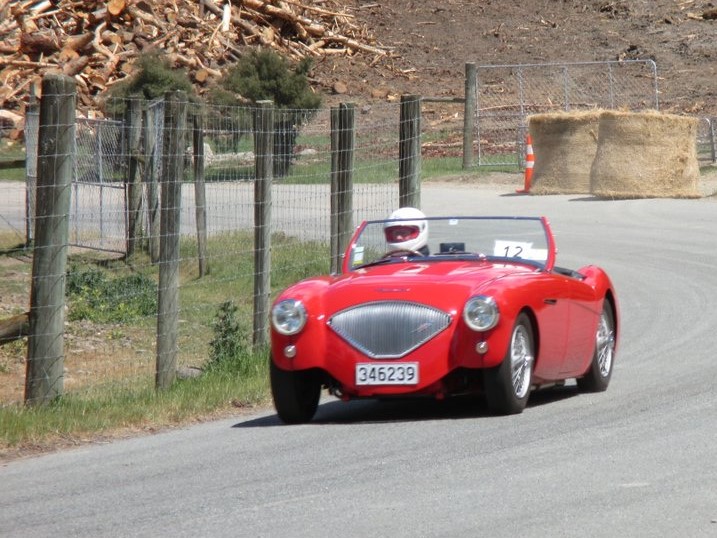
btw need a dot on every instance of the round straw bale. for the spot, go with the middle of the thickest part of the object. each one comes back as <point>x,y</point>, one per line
<point>564,145</point>
<point>645,155</point>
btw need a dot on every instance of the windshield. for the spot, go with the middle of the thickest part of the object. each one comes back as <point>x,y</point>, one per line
<point>525,239</point>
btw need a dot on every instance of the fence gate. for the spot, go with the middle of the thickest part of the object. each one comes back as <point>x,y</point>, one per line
<point>507,94</point>
<point>97,214</point>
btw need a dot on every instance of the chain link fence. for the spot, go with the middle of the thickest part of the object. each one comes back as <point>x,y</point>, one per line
<point>97,218</point>
<point>508,94</point>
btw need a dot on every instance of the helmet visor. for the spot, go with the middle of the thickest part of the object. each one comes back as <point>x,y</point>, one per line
<point>401,233</point>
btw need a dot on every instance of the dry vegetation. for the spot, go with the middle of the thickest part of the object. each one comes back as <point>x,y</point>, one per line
<point>98,42</point>
<point>362,49</point>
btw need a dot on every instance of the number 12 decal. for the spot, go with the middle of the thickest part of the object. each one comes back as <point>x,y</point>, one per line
<point>511,249</point>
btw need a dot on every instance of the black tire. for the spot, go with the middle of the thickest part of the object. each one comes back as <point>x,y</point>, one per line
<point>296,394</point>
<point>598,375</point>
<point>507,386</point>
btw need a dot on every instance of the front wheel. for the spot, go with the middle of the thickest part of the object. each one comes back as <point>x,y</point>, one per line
<point>296,394</point>
<point>598,375</point>
<point>507,385</point>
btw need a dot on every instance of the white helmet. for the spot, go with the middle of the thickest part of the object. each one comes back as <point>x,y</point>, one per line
<point>410,232</point>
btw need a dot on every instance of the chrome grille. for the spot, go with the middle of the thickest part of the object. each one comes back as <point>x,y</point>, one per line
<point>389,329</point>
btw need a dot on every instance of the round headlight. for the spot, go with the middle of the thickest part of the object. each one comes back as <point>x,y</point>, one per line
<point>481,313</point>
<point>288,316</point>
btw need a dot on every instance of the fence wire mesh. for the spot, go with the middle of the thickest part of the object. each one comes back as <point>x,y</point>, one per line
<point>111,306</point>
<point>112,330</point>
<point>508,94</point>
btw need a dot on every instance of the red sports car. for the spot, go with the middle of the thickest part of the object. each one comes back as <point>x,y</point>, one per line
<point>440,307</point>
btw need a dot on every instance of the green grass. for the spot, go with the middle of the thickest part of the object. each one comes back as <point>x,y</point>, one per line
<point>96,414</point>
<point>132,404</point>
<point>10,153</point>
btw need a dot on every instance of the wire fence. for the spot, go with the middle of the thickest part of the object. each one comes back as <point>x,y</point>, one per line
<point>508,94</point>
<point>112,278</point>
<point>112,331</point>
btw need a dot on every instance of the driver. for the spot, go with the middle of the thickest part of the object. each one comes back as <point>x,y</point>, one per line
<point>410,233</point>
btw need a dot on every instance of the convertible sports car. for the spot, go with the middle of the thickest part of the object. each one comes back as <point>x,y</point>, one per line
<point>439,307</point>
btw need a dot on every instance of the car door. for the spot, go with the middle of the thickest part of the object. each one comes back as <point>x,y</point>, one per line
<point>584,313</point>
<point>552,305</point>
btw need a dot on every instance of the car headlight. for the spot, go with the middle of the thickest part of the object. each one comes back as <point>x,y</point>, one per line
<point>481,313</point>
<point>288,316</point>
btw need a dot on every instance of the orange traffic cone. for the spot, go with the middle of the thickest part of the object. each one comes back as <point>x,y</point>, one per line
<point>529,163</point>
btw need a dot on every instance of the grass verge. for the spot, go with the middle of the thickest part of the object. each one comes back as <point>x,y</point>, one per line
<point>100,414</point>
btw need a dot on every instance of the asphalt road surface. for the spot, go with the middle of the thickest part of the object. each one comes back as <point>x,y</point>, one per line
<point>638,460</point>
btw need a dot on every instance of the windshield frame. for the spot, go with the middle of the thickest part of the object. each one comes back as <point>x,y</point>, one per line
<point>347,265</point>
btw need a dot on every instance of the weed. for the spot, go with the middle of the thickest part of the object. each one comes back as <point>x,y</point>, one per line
<point>230,347</point>
<point>96,297</point>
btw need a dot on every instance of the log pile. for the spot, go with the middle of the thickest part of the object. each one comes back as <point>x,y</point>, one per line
<point>97,42</point>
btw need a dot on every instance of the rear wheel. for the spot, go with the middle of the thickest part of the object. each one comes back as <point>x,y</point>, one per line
<point>598,376</point>
<point>296,394</point>
<point>507,386</point>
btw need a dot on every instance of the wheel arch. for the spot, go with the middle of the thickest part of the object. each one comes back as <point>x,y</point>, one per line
<point>528,311</point>
<point>612,301</point>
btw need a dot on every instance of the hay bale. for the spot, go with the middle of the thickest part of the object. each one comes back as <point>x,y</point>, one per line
<point>645,155</point>
<point>564,145</point>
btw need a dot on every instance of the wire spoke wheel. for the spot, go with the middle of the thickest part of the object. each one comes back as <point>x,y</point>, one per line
<point>507,386</point>
<point>521,361</point>
<point>597,378</point>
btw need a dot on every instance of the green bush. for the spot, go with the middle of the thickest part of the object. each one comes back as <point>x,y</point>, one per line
<point>95,297</point>
<point>154,76</point>
<point>230,348</point>
<point>265,75</point>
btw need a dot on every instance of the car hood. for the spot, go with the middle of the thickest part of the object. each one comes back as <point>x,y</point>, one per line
<point>445,285</point>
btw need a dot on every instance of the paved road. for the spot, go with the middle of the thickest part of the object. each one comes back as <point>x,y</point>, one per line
<point>639,460</point>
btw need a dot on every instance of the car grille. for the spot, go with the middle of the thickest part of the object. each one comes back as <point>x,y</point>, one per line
<point>389,329</point>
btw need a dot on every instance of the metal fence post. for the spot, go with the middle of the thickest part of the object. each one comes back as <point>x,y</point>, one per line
<point>151,151</point>
<point>469,110</point>
<point>200,192</point>
<point>133,193</point>
<point>45,356</point>
<point>32,126</point>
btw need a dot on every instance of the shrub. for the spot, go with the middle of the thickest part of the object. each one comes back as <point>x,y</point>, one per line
<point>265,75</point>
<point>97,298</point>
<point>230,348</point>
<point>154,76</point>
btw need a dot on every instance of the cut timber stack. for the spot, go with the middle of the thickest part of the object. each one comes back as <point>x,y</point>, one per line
<point>97,42</point>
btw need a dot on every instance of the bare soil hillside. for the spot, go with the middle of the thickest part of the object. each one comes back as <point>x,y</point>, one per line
<point>363,49</point>
<point>431,40</point>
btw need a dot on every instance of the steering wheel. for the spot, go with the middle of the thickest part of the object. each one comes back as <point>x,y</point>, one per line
<point>401,252</point>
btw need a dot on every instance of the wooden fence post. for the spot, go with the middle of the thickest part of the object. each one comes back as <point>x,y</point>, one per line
<point>343,141</point>
<point>200,193</point>
<point>263,176</point>
<point>334,191</point>
<point>347,143</point>
<point>469,110</point>
<point>409,152</point>
<point>133,126</point>
<point>175,127</point>
<point>45,355</point>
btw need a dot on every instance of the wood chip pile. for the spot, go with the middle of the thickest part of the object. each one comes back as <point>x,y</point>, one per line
<point>97,42</point>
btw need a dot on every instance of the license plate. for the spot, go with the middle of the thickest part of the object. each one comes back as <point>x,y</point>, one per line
<point>405,373</point>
